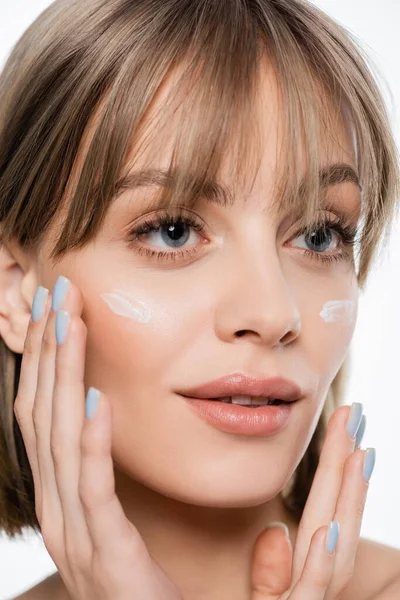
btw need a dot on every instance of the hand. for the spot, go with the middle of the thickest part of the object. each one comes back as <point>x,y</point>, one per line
<point>98,551</point>
<point>338,493</point>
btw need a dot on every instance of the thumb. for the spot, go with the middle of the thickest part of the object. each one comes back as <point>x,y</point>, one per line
<point>271,570</point>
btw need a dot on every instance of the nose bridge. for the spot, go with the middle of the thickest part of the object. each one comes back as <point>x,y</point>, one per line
<point>257,299</point>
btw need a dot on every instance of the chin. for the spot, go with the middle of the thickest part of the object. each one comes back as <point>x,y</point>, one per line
<point>222,491</point>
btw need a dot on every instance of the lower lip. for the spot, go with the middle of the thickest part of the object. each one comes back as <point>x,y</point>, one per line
<point>233,418</point>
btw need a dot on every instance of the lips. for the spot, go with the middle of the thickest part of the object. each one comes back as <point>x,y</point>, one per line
<point>238,384</point>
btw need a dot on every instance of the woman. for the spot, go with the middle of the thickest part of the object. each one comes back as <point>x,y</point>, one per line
<point>206,183</point>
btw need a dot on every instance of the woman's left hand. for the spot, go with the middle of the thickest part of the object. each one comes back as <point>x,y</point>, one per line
<point>338,493</point>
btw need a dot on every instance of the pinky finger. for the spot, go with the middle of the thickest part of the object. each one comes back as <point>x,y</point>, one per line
<point>318,568</point>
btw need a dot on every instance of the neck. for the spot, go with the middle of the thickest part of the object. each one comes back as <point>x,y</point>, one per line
<point>206,551</point>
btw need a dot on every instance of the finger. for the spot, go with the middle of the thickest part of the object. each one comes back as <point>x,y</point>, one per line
<point>349,512</point>
<point>67,424</point>
<point>318,567</point>
<point>25,399</point>
<point>112,534</point>
<point>321,502</point>
<point>272,564</point>
<point>52,523</point>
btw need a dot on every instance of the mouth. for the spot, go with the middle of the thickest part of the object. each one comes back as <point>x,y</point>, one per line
<point>245,390</point>
<point>248,401</point>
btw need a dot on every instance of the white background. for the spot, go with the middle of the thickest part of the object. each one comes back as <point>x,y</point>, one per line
<point>374,348</point>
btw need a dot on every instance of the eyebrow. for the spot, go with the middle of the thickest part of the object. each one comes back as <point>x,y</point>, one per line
<point>217,193</point>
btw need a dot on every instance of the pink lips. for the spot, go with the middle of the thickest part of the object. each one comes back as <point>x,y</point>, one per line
<point>232,418</point>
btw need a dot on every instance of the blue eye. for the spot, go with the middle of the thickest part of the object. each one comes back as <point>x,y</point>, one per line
<point>320,234</point>
<point>168,236</point>
<point>320,239</point>
<point>174,235</point>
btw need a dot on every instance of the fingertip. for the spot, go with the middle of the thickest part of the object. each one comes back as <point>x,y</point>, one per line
<point>92,402</point>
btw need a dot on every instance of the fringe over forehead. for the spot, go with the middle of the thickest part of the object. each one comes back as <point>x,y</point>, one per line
<point>108,59</point>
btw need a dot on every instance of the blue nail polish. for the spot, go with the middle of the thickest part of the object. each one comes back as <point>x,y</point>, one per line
<point>360,432</point>
<point>59,292</point>
<point>369,463</point>
<point>332,536</point>
<point>92,401</point>
<point>39,303</point>
<point>354,419</point>
<point>62,320</point>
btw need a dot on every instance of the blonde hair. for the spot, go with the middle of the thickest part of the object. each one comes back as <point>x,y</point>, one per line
<point>107,59</point>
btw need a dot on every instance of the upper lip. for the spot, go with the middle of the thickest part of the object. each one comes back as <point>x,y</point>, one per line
<point>238,384</point>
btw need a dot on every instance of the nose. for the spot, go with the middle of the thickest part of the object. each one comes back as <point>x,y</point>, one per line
<point>256,302</point>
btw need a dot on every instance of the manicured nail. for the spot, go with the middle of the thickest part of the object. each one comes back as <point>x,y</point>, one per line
<point>360,432</point>
<point>354,419</point>
<point>281,526</point>
<point>39,303</point>
<point>369,463</point>
<point>92,401</point>
<point>62,320</point>
<point>332,537</point>
<point>59,292</point>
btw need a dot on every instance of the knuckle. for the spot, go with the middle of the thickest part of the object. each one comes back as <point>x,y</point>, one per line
<point>359,515</point>
<point>342,580</point>
<point>340,587</point>
<point>22,414</point>
<point>49,540</point>
<point>48,340</point>
<point>57,450</point>
<point>76,560</point>
<point>85,491</point>
<point>19,411</point>
<point>318,580</point>
<point>36,418</point>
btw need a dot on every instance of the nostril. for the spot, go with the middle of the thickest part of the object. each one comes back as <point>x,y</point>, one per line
<point>241,333</point>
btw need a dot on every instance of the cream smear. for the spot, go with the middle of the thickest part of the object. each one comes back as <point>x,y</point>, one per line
<point>335,310</point>
<point>122,303</point>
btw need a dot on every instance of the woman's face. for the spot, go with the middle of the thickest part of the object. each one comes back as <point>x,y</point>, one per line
<point>157,326</point>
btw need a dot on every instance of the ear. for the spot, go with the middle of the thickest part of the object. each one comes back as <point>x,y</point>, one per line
<point>18,283</point>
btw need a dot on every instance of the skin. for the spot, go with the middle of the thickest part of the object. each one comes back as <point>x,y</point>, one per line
<point>199,497</point>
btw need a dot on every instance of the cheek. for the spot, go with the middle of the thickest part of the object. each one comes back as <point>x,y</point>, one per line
<point>331,329</point>
<point>134,335</point>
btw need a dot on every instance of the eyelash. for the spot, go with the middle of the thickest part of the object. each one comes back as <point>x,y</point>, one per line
<point>338,224</point>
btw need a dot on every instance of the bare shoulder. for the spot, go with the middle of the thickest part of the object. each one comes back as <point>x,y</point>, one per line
<point>51,588</point>
<point>376,567</point>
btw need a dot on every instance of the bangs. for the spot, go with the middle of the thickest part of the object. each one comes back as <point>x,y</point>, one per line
<point>216,54</point>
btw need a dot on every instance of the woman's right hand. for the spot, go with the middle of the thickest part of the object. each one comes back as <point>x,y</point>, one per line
<point>99,553</point>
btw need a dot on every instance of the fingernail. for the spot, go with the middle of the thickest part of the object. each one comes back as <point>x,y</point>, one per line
<point>62,320</point>
<point>354,420</point>
<point>39,303</point>
<point>281,525</point>
<point>59,292</point>
<point>332,537</point>
<point>360,432</point>
<point>92,401</point>
<point>369,463</point>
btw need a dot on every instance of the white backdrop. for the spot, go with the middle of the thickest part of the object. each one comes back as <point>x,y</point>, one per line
<point>374,350</point>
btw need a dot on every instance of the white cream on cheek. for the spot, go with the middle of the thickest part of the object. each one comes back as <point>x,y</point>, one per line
<point>124,304</point>
<point>336,310</point>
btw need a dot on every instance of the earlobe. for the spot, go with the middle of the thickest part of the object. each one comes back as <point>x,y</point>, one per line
<point>16,287</point>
